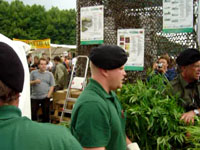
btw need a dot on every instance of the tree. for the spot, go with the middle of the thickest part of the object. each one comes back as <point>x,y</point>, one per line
<point>34,22</point>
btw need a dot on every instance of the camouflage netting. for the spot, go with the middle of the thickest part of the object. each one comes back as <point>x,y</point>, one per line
<point>147,14</point>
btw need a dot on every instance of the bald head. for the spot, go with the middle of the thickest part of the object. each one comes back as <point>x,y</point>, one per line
<point>94,69</point>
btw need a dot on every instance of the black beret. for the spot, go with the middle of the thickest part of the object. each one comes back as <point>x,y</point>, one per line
<point>12,71</point>
<point>108,56</point>
<point>188,56</point>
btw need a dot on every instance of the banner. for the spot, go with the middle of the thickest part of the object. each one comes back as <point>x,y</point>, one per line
<point>177,16</point>
<point>36,44</point>
<point>92,25</point>
<point>132,41</point>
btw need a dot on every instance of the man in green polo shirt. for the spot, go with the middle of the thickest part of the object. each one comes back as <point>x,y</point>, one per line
<point>17,132</point>
<point>187,83</point>
<point>98,121</point>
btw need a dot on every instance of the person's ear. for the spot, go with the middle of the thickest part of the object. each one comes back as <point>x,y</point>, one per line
<point>16,101</point>
<point>103,72</point>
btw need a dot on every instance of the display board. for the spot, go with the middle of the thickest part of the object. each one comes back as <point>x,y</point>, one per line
<point>177,16</point>
<point>92,25</point>
<point>132,40</point>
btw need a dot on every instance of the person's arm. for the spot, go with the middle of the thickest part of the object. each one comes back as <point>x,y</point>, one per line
<point>128,141</point>
<point>188,117</point>
<point>95,148</point>
<point>59,74</point>
<point>50,91</point>
<point>37,81</point>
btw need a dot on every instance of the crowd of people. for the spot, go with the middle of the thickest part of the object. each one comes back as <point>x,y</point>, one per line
<point>47,77</point>
<point>98,120</point>
<point>21,133</point>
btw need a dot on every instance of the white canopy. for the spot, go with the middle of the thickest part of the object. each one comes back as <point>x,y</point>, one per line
<point>63,46</point>
<point>20,49</point>
<point>23,45</point>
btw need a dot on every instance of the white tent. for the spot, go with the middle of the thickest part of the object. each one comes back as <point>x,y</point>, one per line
<point>55,50</point>
<point>20,48</point>
<point>63,46</point>
<point>23,46</point>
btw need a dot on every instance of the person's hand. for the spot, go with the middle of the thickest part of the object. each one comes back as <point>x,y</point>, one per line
<point>48,97</point>
<point>188,117</point>
<point>155,66</point>
<point>37,81</point>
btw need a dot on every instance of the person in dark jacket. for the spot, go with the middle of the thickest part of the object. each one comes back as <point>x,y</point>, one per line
<point>187,85</point>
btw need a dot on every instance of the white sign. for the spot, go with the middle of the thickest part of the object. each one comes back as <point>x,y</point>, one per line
<point>92,25</point>
<point>77,83</point>
<point>198,25</point>
<point>177,16</point>
<point>132,40</point>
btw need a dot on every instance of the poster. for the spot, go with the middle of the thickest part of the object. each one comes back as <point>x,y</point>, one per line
<point>132,41</point>
<point>198,25</point>
<point>177,16</point>
<point>92,25</point>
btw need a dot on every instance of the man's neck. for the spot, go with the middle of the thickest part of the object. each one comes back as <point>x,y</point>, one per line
<point>41,71</point>
<point>14,103</point>
<point>102,82</point>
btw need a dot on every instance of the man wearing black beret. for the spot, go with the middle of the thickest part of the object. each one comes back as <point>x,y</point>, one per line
<point>98,121</point>
<point>187,83</point>
<point>17,132</point>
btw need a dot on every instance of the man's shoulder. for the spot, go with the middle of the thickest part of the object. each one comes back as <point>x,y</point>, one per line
<point>45,129</point>
<point>176,85</point>
<point>89,98</point>
<point>35,71</point>
<point>175,81</point>
<point>48,72</point>
<point>60,65</point>
<point>90,94</point>
<point>59,136</point>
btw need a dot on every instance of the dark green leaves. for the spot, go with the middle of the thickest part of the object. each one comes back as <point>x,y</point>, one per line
<point>153,114</point>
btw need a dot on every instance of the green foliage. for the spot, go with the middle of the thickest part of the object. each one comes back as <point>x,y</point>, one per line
<point>34,22</point>
<point>153,116</point>
<point>194,135</point>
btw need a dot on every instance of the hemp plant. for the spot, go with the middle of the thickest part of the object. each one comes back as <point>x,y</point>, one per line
<point>153,114</point>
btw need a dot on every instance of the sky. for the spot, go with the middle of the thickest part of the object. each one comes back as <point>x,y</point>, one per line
<point>61,4</point>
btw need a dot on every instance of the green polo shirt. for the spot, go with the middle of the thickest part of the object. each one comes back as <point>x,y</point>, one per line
<point>98,120</point>
<point>189,92</point>
<point>20,133</point>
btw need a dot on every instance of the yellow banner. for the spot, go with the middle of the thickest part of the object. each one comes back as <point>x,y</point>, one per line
<point>45,43</point>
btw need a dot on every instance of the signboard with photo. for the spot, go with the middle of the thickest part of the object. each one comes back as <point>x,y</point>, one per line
<point>92,25</point>
<point>132,41</point>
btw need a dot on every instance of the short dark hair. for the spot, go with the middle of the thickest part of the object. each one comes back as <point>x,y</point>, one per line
<point>36,57</point>
<point>42,59</point>
<point>48,58</point>
<point>28,56</point>
<point>57,58</point>
<point>7,94</point>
